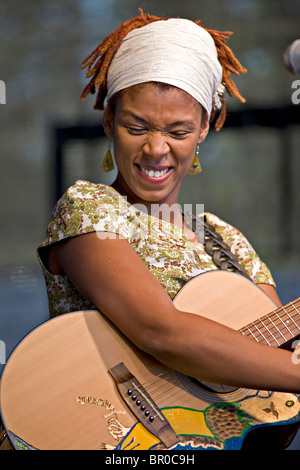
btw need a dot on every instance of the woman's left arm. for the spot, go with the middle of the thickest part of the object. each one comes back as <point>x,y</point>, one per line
<point>271,292</point>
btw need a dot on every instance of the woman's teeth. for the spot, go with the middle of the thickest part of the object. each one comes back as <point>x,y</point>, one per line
<point>154,174</point>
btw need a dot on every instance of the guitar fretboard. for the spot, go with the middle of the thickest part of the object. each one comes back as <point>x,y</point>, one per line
<point>278,327</point>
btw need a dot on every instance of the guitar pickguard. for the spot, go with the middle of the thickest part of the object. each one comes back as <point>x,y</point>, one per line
<point>220,426</point>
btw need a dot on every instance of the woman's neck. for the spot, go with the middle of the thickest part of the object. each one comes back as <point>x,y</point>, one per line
<point>161,210</point>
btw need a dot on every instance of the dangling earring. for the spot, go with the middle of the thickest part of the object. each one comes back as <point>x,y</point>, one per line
<point>108,163</point>
<point>196,167</point>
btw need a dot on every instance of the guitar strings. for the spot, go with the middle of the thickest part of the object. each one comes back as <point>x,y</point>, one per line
<point>166,386</point>
<point>275,325</point>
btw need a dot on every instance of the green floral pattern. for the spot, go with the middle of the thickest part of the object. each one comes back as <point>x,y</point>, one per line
<point>164,248</point>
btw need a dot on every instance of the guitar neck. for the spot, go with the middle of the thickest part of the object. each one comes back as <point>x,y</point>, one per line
<point>277,328</point>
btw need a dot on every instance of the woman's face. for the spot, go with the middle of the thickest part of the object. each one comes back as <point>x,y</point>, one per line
<point>155,132</point>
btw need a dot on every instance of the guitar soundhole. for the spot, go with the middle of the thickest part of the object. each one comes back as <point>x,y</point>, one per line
<point>213,387</point>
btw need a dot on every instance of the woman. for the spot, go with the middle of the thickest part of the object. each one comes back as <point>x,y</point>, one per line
<point>164,81</point>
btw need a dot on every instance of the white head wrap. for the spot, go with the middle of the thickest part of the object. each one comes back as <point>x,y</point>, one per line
<point>175,51</point>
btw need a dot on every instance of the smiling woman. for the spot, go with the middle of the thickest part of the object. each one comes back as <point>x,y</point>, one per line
<point>155,132</point>
<point>113,248</point>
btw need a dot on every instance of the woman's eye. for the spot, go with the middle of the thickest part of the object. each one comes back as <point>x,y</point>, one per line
<point>179,134</point>
<point>136,130</point>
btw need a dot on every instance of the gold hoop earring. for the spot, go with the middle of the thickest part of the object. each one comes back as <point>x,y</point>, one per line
<point>108,163</point>
<point>196,167</point>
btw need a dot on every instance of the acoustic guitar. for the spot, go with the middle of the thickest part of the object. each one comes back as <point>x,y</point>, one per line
<point>75,382</point>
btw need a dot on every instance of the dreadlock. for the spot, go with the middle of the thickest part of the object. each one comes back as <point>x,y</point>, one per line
<point>98,62</point>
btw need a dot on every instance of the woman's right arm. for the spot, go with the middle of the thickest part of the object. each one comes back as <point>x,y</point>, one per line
<point>109,273</point>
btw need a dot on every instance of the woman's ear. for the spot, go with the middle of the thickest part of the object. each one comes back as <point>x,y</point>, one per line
<point>204,128</point>
<point>108,122</point>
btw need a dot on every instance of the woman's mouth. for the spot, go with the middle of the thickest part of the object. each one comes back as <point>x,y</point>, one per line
<point>158,175</point>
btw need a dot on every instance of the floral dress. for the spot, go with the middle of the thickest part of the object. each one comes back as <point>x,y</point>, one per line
<point>164,248</point>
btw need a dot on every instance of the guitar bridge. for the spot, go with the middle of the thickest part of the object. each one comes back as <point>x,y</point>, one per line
<point>142,405</point>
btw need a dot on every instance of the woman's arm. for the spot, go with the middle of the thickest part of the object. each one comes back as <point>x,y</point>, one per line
<point>271,292</point>
<point>110,274</point>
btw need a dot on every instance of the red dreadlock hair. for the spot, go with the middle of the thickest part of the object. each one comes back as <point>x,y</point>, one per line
<point>98,62</point>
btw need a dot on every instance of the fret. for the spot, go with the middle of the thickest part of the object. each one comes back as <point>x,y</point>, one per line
<point>285,323</point>
<point>293,304</point>
<point>293,313</point>
<point>292,308</point>
<point>247,332</point>
<point>278,344</point>
<point>265,331</point>
<point>290,319</point>
<point>252,333</point>
<point>281,327</point>
<point>278,327</point>
<point>270,332</point>
<point>297,311</point>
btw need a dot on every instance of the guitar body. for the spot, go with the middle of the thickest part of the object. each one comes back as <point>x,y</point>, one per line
<point>57,392</point>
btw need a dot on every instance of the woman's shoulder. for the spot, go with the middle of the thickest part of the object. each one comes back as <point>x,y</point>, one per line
<point>243,249</point>
<point>85,190</point>
<point>223,227</point>
<point>86,197</point>
<point>231,235</point>
<point>86,207</point>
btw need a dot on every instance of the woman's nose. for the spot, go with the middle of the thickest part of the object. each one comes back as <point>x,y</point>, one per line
<point>156,145</point>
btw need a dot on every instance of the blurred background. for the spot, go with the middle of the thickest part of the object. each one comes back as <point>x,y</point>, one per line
<point>49,139</point>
